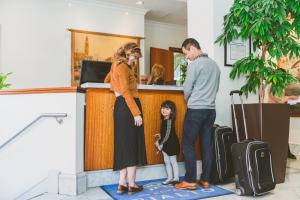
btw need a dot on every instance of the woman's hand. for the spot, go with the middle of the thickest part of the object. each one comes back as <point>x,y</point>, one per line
<point>138,121</point>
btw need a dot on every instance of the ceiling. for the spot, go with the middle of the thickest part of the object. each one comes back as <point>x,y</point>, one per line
<point>167,11</point>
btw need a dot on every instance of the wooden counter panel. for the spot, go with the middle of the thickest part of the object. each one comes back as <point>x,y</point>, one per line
<point>99,125</point>
<point>99,129</point>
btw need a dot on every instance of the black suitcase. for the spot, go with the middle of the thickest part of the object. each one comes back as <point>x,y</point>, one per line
<point>222,168</point>
<point>252,161</point>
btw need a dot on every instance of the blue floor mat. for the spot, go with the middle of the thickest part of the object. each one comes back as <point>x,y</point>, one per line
<point>154,190</point>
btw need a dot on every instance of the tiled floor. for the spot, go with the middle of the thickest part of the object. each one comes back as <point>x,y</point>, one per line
<point>290,190</point>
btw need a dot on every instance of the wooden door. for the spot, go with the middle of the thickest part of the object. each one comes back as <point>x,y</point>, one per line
<point>165,58</point>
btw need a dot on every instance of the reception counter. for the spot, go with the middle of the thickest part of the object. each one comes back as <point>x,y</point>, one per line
<point>99,122</point>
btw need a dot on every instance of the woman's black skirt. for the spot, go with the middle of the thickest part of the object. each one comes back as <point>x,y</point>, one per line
<point>129,140</point>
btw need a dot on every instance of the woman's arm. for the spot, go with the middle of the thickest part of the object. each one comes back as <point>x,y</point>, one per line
<point>107,78</point>
<point>123,74</point>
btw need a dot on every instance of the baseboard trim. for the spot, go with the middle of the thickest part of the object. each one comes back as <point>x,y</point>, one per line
<point>72,184</point>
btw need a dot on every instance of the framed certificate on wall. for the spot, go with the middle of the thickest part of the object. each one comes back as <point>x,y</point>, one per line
<point>236,50</point>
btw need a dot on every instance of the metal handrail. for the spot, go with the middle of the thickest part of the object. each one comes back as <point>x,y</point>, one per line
<point>57,116</point>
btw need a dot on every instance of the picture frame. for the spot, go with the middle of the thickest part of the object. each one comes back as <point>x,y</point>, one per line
<point>236,50</point>
<point>96,46</point>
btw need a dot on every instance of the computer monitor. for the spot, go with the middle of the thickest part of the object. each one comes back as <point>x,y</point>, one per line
<point>94,71</point>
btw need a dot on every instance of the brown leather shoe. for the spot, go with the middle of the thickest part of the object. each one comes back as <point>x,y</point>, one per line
<point>186,186</point>
<point>135,189</point>
<point>122,189</point>
<point>204,184</point>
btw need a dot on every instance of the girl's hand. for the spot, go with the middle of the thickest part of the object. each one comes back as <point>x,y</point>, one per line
<point>138,121</point>
<point>157,136</point>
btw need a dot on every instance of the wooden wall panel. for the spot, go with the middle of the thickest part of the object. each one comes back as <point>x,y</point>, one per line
<point>99,125</point>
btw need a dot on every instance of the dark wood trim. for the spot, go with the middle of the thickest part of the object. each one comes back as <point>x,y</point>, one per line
<point>43,90</point>
<point>105,34</point>
<point>175,49</point>
<point>295,115</point>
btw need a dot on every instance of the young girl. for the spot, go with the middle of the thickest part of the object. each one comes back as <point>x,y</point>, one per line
<point>168,141</point>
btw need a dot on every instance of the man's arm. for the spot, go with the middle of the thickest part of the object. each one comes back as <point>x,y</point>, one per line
<point>189,81</point>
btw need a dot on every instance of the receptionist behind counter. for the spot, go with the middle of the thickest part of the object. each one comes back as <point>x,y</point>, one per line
<point>156,76</point>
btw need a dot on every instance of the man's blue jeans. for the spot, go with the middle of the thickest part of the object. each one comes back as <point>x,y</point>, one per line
<point>198,122</point>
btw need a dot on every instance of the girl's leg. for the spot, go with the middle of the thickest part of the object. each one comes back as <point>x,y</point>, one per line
<point>131,176</point>
<point>168,167</point>
<point>122,178</point>
<point>174,164</point>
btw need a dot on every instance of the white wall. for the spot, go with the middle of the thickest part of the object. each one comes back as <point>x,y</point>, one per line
<point>162,35</point>
<point>205,24</point>
<point>45,146</point>
<point>35,44</point>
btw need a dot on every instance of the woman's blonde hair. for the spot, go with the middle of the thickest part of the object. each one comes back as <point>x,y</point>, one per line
<point>157,73</point>
<point>125,51</point>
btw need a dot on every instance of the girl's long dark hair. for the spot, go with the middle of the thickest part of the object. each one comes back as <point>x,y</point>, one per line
<point>172,106</point>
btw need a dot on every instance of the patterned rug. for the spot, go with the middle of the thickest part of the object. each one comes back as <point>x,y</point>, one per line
<point>154,190</point>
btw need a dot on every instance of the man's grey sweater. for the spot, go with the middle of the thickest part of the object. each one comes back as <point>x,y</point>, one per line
<point>202,83</point>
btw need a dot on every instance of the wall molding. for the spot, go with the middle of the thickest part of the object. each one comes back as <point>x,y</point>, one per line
<point>164,25</point>
<point>108,5</point>
<point>42,90</point>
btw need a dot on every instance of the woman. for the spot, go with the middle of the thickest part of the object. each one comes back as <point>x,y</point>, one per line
<point>157,73</point>
<point>129,143</point>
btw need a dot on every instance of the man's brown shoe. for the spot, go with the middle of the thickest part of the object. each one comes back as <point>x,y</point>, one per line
<point>186,186</point>
<point>204,184</point>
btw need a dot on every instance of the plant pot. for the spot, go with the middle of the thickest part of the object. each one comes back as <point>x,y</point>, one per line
<point>275,131</point>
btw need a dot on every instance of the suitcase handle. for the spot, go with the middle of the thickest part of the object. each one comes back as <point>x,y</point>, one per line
<point>236,92</point>
<point>234,114</point>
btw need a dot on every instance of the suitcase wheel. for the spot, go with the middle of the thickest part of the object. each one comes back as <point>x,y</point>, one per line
<point>239,191</point>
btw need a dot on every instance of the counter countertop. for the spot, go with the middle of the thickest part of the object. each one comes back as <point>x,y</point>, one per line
<point>140,87</point>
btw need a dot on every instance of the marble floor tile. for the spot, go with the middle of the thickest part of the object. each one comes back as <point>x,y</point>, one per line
<point>289,190</point>
<point>295,164</point>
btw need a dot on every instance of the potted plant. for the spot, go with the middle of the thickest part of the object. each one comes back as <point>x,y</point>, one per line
<point>274,27</point>
<point>183,68</point>
<point>3,78</point>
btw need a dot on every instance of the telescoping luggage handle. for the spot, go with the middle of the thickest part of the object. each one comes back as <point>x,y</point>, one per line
<point>234,114</point>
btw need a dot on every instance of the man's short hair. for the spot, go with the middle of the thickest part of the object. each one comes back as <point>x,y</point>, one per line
<point>187,43</point>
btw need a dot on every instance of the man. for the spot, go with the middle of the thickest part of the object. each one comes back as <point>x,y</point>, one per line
<point>200,90</point>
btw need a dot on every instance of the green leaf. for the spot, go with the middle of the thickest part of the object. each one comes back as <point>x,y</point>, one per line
<point>267,24</point>
<point>3,78</point>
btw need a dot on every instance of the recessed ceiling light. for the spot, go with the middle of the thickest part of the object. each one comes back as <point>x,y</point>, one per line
<point>140,2</point>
